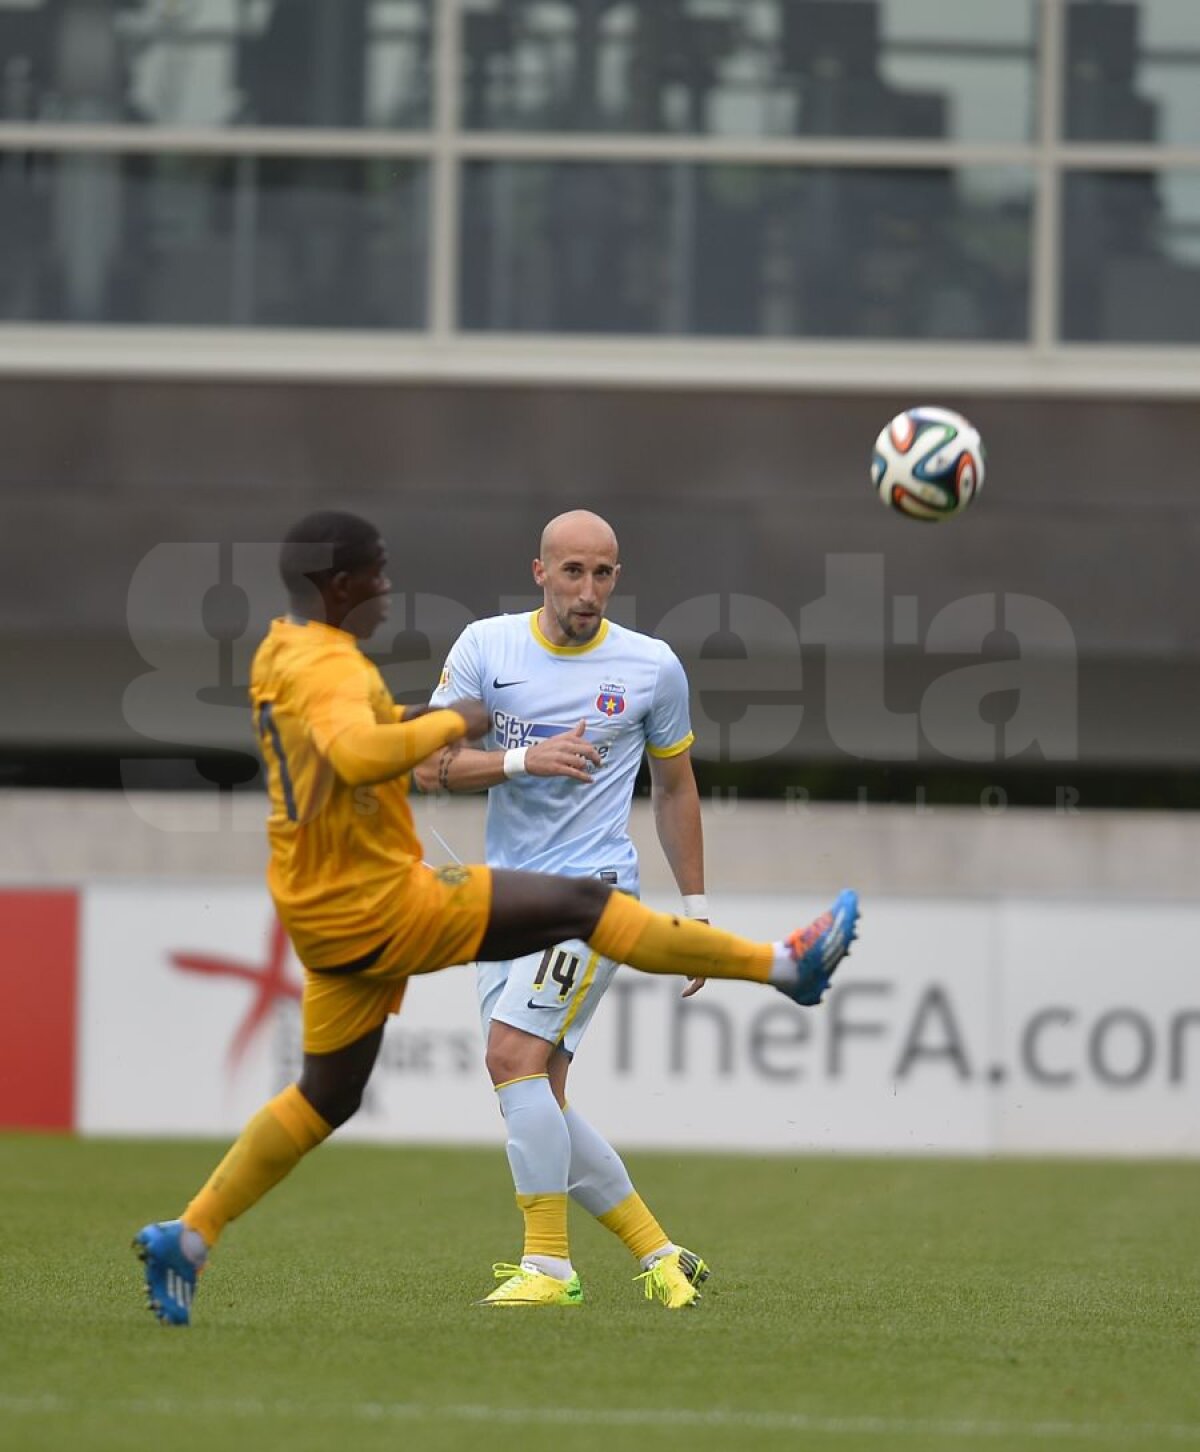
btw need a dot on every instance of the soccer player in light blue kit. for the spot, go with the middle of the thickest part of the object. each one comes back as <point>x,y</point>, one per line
<point>575,700</point>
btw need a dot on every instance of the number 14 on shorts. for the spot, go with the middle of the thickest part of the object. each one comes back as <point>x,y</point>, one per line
<point>562,967</point>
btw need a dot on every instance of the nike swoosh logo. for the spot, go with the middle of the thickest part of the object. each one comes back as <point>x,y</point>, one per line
<point>499,685</point>
<point>531,1004</point>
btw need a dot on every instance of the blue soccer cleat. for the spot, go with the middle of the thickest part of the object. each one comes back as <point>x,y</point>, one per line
<point>819,948</point>
<point>170,1275</point>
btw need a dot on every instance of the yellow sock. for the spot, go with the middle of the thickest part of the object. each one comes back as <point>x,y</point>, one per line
<point>273,1143</point>
<point>545,1225</point>
<point>633,1222</point>
<point>658,943</point>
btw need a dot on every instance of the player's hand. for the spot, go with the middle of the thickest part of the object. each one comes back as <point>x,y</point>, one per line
<point>475,714</point>
<point>567,754</point>
<point>694,985</point>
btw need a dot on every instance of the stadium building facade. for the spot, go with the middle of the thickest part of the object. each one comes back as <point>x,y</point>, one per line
<point>455,264</point>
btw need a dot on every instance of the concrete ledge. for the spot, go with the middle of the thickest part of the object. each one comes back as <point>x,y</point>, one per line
<point>54,837</point>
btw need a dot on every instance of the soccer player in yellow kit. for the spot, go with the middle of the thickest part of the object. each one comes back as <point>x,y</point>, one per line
<point>363,911</point>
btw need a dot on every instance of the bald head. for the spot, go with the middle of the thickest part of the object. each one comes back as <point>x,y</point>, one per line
<point>578,531</point>
<point>576,570</point>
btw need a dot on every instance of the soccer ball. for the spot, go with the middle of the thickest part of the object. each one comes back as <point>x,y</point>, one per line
<point>928,463</point>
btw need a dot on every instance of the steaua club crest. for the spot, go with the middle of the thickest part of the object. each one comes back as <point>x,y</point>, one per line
<point>611,700</point>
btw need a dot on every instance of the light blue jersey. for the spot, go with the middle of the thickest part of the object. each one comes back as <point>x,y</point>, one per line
<point>631,691</point>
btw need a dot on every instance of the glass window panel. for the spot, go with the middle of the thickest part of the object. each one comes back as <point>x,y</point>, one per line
<point>962,69</point>
<point>1131,248</point>
<point>277,241</point>
<point>1133,71</point>
<point>737,250</point>
<point>332,63</point>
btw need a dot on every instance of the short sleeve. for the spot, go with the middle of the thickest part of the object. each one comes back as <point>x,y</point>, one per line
<point>669,727</point>
<point>461,678</point>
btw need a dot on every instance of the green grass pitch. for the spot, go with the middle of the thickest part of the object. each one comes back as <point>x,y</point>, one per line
<point>854,1305</point>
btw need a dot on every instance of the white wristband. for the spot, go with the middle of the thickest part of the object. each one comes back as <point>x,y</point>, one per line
<point>695,905</point>
<point>514,761</point>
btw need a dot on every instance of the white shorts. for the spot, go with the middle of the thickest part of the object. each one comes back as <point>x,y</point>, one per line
<point>550,994</point>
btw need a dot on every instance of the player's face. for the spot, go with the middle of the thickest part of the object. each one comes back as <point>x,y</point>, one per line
<point>367,595</point>
<point>576,585</point>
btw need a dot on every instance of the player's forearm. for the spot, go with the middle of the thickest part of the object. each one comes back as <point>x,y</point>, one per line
<point>681,836</point>
<point>460,769</point>
<point>364,754</point>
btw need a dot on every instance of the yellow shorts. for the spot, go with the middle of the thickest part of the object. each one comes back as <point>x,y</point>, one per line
<point>440,921</point>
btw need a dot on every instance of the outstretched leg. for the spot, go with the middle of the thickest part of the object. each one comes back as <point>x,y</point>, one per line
<point>533,910</point>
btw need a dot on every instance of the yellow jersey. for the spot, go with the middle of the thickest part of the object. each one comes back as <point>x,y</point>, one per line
<point>337,752</point>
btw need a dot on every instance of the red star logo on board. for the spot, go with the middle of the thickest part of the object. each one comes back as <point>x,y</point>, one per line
<point>271,981</point>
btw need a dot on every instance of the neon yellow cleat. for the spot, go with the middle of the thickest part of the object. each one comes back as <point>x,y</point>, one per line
<point>675,1279</point>
<point>528,1287</point>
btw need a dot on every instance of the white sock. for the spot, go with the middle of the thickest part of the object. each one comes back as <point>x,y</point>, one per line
<point>783,967</point>
<point>193,1245</point>
<point>656,1255</point>
<point>549,1265</point>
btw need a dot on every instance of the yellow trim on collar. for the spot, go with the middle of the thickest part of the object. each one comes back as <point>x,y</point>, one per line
<point>663,752</point>
<point>597,639</point>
